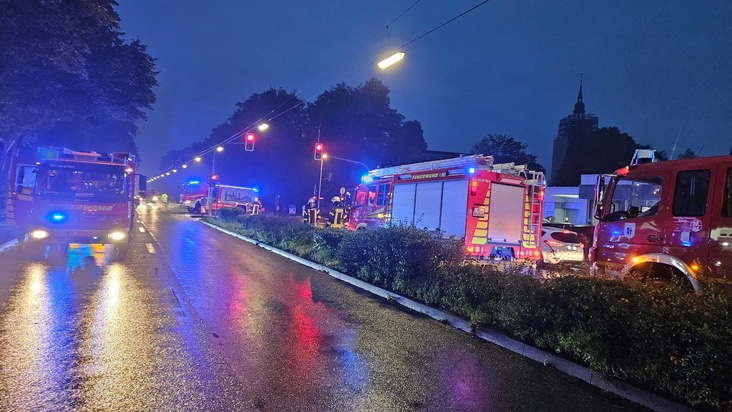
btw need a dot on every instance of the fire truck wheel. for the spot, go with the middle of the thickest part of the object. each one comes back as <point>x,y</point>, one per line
<point>58,253</point>
<point>119,252</point>
<point>34,251</point>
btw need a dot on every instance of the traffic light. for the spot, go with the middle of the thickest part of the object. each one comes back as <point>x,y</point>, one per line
<point>318,151</point>
<point>249,142</point>
<point>213,179</point>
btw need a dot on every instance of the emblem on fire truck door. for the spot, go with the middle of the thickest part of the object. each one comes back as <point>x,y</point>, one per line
<point>629,230</point>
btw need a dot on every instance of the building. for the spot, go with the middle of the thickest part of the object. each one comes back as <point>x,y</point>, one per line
<point>573,130</point>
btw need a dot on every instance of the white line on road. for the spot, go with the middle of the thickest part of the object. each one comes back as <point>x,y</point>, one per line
<point>150,248</point>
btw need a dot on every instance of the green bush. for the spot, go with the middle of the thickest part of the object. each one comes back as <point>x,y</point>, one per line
<point>230,214</point>
<point>663,338</point>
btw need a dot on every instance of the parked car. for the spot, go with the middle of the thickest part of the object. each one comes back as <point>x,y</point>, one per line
<point>561,245</point>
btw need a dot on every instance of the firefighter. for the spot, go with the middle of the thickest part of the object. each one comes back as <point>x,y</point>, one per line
<point>256,207</point>
<point>310,212</point>
<point>164,200</point>
<point>336,217</point>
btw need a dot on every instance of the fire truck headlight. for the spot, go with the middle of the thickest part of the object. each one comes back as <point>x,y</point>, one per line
<point>117,235</point>
<point>39,234</point>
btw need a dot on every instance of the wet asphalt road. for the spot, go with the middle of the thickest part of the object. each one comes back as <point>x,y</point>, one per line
<point>195,320</point>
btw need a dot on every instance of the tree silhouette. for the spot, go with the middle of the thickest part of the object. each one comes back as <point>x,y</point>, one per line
<point>506,149</point>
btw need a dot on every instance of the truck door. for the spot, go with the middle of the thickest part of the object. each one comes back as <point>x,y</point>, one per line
<point>635,222</point>
<point>687,232</point>
<point>720,242</point>
<point>20,200</point>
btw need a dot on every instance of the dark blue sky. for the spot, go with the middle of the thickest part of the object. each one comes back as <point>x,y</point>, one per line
<point>654,68</point>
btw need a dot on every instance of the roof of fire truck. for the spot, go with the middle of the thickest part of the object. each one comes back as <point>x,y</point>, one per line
<point>477,162</point>
<point>113,158</point>
<point>645,160</point>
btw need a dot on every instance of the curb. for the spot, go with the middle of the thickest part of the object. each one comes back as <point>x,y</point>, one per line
<point>622,389</point>
<point>8,245</point>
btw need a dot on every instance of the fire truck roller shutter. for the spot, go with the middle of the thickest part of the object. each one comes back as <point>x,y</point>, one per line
<point>454,207</point>
<point>506,213</point>
<point>427,205</point>
<point>402,211</point>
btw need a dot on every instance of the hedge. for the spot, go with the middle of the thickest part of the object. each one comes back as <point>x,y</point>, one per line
<point>665,339</point>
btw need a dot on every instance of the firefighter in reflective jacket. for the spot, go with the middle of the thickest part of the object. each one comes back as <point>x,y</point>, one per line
<point>256,207</point>
<point>310,212</point>
<point>337,216</point>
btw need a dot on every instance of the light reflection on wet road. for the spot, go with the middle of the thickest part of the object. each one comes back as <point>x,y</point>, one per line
<point>209,322</point>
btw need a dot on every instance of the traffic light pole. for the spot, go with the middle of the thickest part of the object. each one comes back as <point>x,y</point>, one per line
<point>210,186</point>
<point>320,182</point>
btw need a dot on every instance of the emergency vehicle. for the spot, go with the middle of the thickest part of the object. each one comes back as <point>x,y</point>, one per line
<point>664,219</point>
<point>195,197</point>
<point>74,197</point>
<point>495,208</point>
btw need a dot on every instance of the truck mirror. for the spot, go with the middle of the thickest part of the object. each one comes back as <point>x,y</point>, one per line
<point>599,196</point>
<point>19,189</point>
<point>142,184</point>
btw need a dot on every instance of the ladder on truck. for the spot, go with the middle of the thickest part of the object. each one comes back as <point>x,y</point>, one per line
<point>477,161</point>
<point>533,208</point>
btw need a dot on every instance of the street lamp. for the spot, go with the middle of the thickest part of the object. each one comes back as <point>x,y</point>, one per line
<point>391,60</point>
<point>352,161</point>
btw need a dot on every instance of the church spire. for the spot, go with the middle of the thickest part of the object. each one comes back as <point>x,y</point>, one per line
<point>579,107</point>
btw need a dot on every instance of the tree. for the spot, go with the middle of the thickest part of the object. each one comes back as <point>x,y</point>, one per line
<point>67,78</point>
<point>357,126</point>
<point>506,149</point>
<point>687,154</point>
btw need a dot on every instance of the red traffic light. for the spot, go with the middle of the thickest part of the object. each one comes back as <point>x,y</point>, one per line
<point>214,177</point>
<point>318,151</point>
<point>249,142</point>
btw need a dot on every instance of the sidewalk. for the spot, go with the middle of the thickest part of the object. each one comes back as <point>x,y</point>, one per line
<point>8,236</point>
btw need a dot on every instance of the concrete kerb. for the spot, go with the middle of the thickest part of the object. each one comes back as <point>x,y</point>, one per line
<point>624,390</point>
<point>8,245</point>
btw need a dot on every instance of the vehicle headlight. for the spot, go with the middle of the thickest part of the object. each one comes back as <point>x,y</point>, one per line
<point>117,235</point>
<point>39,234</point>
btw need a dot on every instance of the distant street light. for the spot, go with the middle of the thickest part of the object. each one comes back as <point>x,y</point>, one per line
<point>352,161</point>
<point>394,58</point>
<point>262,127</point>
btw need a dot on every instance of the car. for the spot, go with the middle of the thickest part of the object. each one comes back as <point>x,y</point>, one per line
<point>560,245</point>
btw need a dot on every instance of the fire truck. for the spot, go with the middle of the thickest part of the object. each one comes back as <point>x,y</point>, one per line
<point>665,219</point>
<point>195,196</point>
<point>496,208</point>
<point>74,197</point>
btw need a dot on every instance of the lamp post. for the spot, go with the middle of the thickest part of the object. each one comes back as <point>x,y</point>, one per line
<point>210,186</point>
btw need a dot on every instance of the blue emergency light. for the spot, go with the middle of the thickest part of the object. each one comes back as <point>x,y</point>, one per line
<point>56,217</point>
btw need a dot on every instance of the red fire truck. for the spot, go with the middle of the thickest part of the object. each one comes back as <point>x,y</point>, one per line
<point>74,197</point>
<point>496,208</point>
<point>664,219</point>
<point>195,196</point>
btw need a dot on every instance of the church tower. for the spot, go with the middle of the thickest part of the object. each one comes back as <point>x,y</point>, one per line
<point>573,130</point>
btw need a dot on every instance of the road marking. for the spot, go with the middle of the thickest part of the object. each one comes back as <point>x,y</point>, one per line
<point>150,248</point>
<point>142,229</point>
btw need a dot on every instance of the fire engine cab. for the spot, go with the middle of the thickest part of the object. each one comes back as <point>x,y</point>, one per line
<point>496,208</point>
<point>74,197</point>
<point>664,219</point>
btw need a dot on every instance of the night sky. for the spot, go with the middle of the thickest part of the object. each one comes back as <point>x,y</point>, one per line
<point>656,69</point>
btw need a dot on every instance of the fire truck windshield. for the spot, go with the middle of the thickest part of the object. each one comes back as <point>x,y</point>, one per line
<point>82,181</point>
